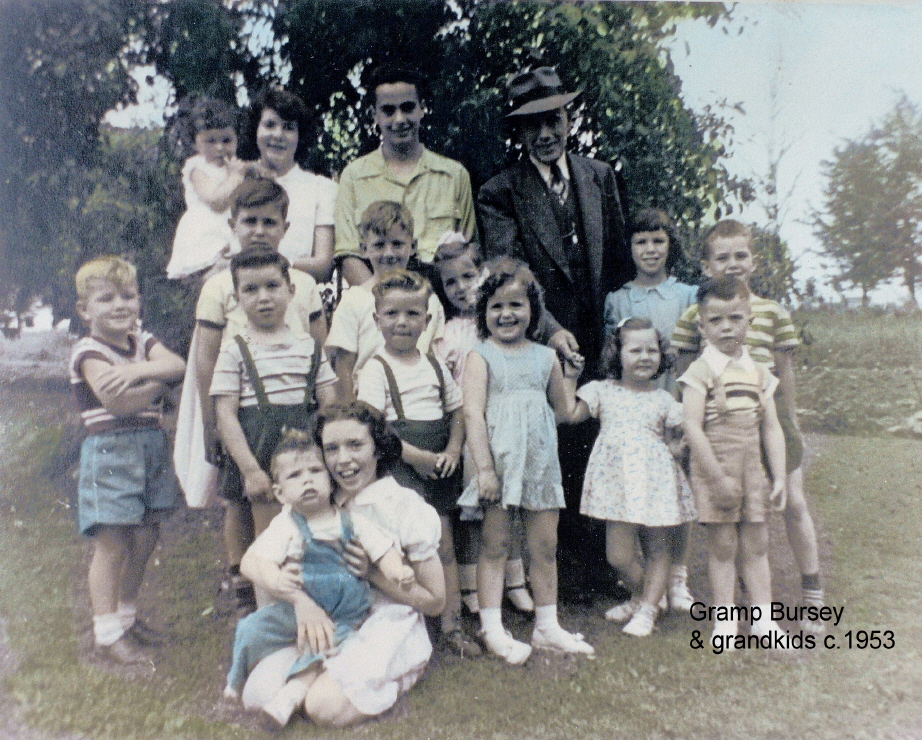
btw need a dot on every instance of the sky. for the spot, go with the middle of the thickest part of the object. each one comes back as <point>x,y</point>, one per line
<point>838,69</point>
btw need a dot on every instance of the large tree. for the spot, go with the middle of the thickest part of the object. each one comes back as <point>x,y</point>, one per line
<point>871,224</point>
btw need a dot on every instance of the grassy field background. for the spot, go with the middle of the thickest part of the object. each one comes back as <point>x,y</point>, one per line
<point>866,486</point>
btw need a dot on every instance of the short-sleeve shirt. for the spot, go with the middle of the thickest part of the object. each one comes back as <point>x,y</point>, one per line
<point>217,304</point>
<point>403,514</point>
<point>282,366</point>
<point>311,203</point>
<point>459,338</point>
<point>663,304</point>
<point>771,330</point>
<point>353,326</point>
<point>437,194</point>
<point>419,389</point>
<point>281,540</point>
<point>745,383</point>
<point>96,418</point>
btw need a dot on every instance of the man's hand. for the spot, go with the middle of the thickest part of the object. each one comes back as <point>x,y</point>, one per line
<point>564,343</point>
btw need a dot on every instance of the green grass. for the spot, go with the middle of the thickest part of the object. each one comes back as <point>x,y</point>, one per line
<point>859,373</point>
<point>866,490</point>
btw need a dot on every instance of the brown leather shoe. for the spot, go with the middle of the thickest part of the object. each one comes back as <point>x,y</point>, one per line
<point>125,651</point>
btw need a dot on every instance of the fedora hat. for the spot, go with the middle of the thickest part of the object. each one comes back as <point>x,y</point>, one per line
<point>536,91</point>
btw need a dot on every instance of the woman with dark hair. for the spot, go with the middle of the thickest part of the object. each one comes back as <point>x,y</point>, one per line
<point>279,126</point>
<point>389,652</point>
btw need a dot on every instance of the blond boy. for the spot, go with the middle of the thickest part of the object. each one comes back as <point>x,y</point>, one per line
<point>127,484</point>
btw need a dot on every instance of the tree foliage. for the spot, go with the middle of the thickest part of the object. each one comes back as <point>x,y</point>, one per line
<point>871,224</point>
<point>66,62</point>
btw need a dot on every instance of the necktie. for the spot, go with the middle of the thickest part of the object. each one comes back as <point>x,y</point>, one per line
<point>559,184</point>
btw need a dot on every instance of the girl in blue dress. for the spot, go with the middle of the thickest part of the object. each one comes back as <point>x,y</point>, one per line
<point>512,437</point>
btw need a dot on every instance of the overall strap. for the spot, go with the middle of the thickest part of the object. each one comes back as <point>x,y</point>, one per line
<point>392,386</point>
<point>719,392</point>
<point>441,377</point>
<point>261,398</point>
<point>310,390</point>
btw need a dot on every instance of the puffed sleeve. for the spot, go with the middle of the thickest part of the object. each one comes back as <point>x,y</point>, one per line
<point>590,393</point>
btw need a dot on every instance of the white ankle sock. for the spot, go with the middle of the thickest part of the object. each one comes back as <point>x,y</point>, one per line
<point>128,614</point>
<point>679,572</point>
<point>491,619</point>
<point>546,617</point>
<point>107,629</point>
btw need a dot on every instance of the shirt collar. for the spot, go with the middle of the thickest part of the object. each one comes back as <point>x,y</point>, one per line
<point>545,169</point>
<point>639,292</point>
<point>367,495</point>
<point>718,361</point>
<point>375,166</point>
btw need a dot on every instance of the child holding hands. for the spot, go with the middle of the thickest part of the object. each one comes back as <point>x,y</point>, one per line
<point>730,422</point>
<point>632,481</point>
<point>512,437</point>
<point>301,551</point>
<point>127,484</point>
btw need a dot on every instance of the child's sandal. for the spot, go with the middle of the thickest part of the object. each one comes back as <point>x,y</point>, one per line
<point>244,596</point>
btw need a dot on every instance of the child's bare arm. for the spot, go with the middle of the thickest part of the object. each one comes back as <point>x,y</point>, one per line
<point>475,422</point>
<point>562,401</point>
<point>424,462</point>
<point>773,442</point>
<point>217,193</point>
<point>449,458</point>
<point>131,400</point>
<point>394,569</point>
<point>344,366</point>
<point>579,410</point>
<point>328,395</point>
<point>784,367</point>
<point>207,348</point>
<point>693,410</point>
<point>161,365</point>
<point>319,264</point>
<point>428,592</point>
<point>257,486</point>
<point>281,580</point>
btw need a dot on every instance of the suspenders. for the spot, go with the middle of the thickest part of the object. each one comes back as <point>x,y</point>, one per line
<point>395,390</point>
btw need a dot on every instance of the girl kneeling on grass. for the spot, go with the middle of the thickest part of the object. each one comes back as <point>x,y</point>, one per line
<point>632,480</point>
<point>512,435</point>
<point>388,653</point>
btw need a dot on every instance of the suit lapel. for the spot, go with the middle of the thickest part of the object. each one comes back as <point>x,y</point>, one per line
<point>589,197</point>
<point>540,216</point>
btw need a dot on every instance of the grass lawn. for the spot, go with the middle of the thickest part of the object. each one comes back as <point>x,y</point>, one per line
<point>858,376</point>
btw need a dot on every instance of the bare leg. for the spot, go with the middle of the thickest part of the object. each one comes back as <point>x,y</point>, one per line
<point>327,705</point>
<point>754,562</point>
<point>110,552</point>
<point>238,530</point>
<point>799,523</point>
<point>142,542</point>
<point>452,609</point>
<point>541,533</point>
<point>263,513</point>
<point>722,540</point>
<point>494,548</point>
<point>621,552</point>
<point>656,574</point>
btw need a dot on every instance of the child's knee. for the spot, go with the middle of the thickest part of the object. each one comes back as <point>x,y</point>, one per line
<point>722,541</point>
<point>754,541</point>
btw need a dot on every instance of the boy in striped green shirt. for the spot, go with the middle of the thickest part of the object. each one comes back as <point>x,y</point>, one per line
<point>771,338</point>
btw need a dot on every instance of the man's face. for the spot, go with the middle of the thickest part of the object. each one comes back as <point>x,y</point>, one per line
<point>544,135</point>
<point>398,114</point>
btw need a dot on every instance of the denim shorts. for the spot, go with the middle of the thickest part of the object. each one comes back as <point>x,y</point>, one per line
<point>126,478</point>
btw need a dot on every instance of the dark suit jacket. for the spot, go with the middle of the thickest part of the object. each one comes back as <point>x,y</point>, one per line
<point>517,219</point>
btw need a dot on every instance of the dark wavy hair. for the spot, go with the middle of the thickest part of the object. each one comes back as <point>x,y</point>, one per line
<point>290,108</point>
<point>653,219</point>
<point>611,352</point>
<point>502,271</point>
<point>388,448</point>
<point>390,74</point>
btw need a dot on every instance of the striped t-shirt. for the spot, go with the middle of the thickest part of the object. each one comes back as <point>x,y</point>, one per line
<point>745,384</point>
<point>96,417</point>
<point>771,330</point>
<point>283,367</point>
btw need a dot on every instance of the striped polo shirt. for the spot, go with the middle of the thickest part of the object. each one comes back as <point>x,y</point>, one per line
<point>771,330</point>
<point>96,417</point>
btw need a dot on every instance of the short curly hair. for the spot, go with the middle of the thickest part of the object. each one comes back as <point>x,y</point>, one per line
<point>614,342</point>
<point>503,271</point>
<point>388,447</point>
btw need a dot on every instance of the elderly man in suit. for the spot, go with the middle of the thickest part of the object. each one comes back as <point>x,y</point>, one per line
<point>561,214</point>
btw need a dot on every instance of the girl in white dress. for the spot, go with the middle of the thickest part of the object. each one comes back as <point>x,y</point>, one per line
<point>632,480</point>
<point>203,235</point>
